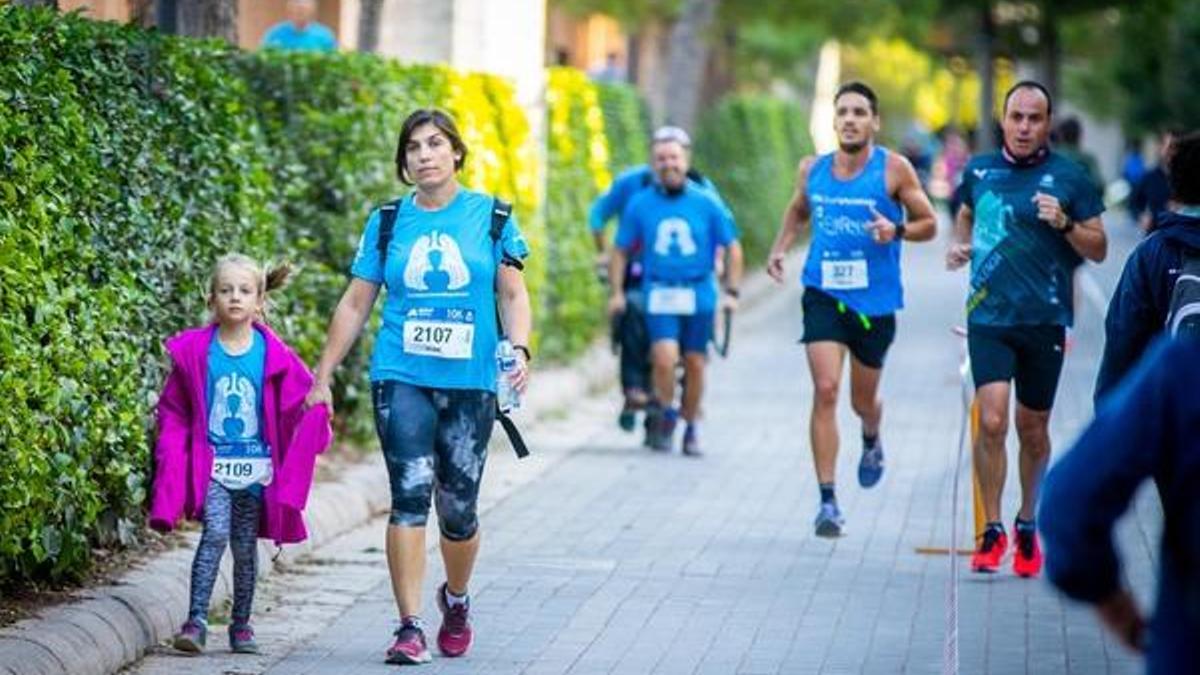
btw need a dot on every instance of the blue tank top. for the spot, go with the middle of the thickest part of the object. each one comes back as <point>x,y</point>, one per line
<point>843,260</point>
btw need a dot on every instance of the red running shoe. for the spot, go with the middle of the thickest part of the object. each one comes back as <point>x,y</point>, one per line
<point>1027,553</point>
<point>991,551</point>
<point>454,637</point>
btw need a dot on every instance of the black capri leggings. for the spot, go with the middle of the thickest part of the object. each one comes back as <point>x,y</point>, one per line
<point>434,438</point>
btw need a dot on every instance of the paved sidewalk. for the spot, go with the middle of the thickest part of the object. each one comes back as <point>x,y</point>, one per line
<point>611,559</point>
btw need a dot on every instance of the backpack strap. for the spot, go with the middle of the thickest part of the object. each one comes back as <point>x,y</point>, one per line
<point>387,225</point>
<point>501,212</point>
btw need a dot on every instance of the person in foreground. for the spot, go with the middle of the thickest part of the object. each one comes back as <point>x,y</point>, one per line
<point>236,446</point>
<point>1149,427</point>
<point>452,269</point>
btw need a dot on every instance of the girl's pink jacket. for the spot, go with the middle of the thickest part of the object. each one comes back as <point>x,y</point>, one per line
<point>183,458</point>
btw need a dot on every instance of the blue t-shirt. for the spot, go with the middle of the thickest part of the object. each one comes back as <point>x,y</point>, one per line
<point>235,401</point>
<point>634,180</point>
<point>314,37</point>
<point>679,235</point>
<point>235,392</point>
<point>844,260</point>
<point>439,316</point>
<point>1022,269</point>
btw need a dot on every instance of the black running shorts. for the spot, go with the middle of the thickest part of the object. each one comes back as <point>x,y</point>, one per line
<point>827,320</point>
<point>1032,356</point>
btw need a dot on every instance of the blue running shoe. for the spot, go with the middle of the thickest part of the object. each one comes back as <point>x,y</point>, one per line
<point>829,521</point>
<point>627,420</point>
<point>870,465</point>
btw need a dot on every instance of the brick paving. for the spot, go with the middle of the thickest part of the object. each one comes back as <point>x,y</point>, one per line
<point>602,557</point>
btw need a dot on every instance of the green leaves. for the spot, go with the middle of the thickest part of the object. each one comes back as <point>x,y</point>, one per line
<point>750,147</point>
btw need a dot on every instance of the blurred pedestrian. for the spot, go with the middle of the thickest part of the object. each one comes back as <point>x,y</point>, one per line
<point>1150,195</point>
<point>301,31</point>
<point>1140,307</point>
<point>1070,145</point>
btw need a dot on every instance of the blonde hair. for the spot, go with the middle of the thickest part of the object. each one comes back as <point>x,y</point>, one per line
<point>265,279</point>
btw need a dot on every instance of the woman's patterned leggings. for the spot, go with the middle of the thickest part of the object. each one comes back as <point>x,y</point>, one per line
<point>230,517</point>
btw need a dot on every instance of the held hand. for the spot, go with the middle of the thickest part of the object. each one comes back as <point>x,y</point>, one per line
<point>1121,616</point>
<point>775,267</point>
<point>616,303</point>
<point>883,231</point>
<point>320,393</point>
<point>1050,210</point>
<point>520,375</point>
<point>957,256</point>
<point>602,259</point>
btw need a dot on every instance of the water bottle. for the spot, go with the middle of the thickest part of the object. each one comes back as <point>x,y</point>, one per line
<point>507,396</point>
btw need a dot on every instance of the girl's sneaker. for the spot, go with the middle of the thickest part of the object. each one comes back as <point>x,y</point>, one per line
<point>191,637</point>
<point>241,639</point>
<point>409,649</point>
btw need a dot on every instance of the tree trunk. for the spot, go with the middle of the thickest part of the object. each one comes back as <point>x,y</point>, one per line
<point>1051,49</point>
<point>985,133</point>
<point>686,61</point>
<point>142,13</point>
<point>370,13</point>
<point>719,75</point>
<point>52,4</point>
<point>208,18</point>
<point>651,71</point>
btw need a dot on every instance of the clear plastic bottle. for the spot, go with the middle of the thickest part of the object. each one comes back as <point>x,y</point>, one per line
<point>507,396</point>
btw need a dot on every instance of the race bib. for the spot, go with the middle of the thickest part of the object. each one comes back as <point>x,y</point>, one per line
<point>844,275</point>
<point>439,332</point>
<point>237,466</point>
<point>678,300</point>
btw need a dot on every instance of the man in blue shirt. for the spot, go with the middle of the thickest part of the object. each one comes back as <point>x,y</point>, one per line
<point>1140,306</point>
<point>631,325</point>
<point>1148,427</point>
<point>679,228</point>
<point>1029,217</point>
<point>301,31</point>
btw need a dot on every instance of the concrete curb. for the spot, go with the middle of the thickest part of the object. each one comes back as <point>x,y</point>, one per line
<point>111,626</point>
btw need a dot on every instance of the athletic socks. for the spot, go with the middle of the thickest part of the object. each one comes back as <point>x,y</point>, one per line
<point>827,495</point>
<point>453,600</point>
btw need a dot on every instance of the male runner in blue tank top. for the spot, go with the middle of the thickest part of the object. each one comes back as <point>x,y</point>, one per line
<point>861,200</point>
<point>1029,217</point>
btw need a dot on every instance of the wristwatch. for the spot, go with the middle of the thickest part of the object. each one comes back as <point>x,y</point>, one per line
<point>524,350</point>
<point>901,228</point>
<point>733,293</point>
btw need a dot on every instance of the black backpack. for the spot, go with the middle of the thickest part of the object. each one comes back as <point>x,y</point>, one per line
<point>501,212</point>
<point>1183,312</point>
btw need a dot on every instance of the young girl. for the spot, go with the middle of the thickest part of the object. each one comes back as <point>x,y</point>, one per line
<point>236,445</point>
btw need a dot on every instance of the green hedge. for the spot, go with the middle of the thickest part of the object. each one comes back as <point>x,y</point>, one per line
<point>128,162</point>
<point>626,125</point>
<point>750,147</point>
<point>577,157</point>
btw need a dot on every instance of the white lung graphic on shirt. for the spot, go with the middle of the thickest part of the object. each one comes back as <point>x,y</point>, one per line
<point>436,264</point>
<point>233,416</point>
<point>674,238</point>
